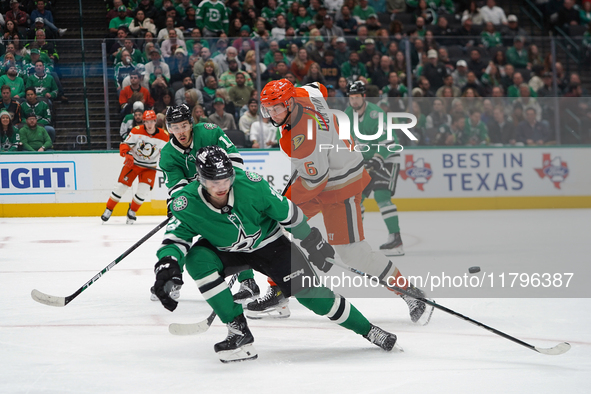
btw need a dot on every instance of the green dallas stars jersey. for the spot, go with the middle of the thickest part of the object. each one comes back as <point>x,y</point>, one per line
<point>368,125</point>
<point>213,16</point>
<point>178,163</point>
<point>254,220</point>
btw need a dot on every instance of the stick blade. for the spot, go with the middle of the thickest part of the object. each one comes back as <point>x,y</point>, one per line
<point>557,350</point>
<point>188,329</point>
<point>47,299</point>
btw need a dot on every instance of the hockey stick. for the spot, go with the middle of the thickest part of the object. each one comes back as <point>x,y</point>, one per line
<point>197,328</point>
<point>561,348</point>
<point>63,301</point>
<point>202,326</point>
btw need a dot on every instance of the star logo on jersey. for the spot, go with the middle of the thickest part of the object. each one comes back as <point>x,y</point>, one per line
<point>419,171</point>
<point>244,242</point>
<point>555,169</point>
<point>253,176</point>
<point>179,203</point>
<point>209,126</point>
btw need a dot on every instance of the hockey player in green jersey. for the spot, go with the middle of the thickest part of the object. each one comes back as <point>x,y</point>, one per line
<point>177,161</point>
<point>382,164</point>
<point>239,218</point>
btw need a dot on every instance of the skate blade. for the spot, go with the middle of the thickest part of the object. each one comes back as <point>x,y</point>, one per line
<point>243,353</point>
<point>426,316</point>
<point>244,301</point>
<point>153,297</point>
<point>270,313</point>
<point>393,252</point>
<point>397,348</point>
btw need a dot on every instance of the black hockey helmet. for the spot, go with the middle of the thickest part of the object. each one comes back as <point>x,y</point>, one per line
<point>357,87</point>
<point>214,164</point>
<point>177,114</point>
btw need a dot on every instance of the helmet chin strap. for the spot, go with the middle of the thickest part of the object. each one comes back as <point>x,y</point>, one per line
<point>284,120</point>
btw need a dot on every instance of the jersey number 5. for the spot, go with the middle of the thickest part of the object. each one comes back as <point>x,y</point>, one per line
<point>310,169</point>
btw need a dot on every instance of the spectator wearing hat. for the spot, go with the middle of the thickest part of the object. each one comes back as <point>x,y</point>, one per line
<point>171,44</point>
<point>135,118</point>
<point>114,11</point>
<point>369,51</point>
<point>434,70</point>
<point>47,16</point>
<point>316,53</point>
<point>342,51</point>
<point>12,80</point>
<point>34,137</point>
<point>39,24</point>
<point>347,22</point>
<point>19,17</point>
<point>156,61</point>
<point>9,136</point>
<point>373,25</point>
<point>228,78</point>
<point>11,105</point>
<point>492,13</point>
<point>221,118</point>
<point>244,36</point>
<point>362,11</point>
<point>460,75</point>
<point>329,30</point>
<point>122,19</point>
<point>547,89</point>
<point>517,54</point>
<point>512,30</point>
<point>40,109</point>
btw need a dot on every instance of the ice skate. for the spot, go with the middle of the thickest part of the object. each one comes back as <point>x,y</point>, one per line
<point>394,246</point>
<point>248,290</point>
<point>106,215</point>
<point>271,305</point>
<point>420,312</point>
<point>238,344</point>
<point>382,338</point>
<point>174,292</point>
<point>130,216</point>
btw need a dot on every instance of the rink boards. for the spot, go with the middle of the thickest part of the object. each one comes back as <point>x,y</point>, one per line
<point>462,178</point>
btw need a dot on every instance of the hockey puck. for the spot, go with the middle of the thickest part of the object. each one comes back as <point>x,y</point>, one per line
<point>474,270</point>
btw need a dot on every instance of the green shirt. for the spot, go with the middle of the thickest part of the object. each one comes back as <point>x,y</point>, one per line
<point>43,85</point>
<point>41,109</point>
<point>212,16</point>
<point>478,132</point>
<point>368,125</point>
<point>17,87</point>
<point>491,40</point>
<point>228,79</point>
<point>352,72</point>
<point>517,59</point>
<point>178,163</point>
<point>33,139</point>
<point>117,22</point>
<point>258,211</point>
<point>361,13</point>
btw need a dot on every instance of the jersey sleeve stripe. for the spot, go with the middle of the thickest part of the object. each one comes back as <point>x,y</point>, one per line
<point>348,173</point>
<point>295,216</point>
<point>318,180</point>
<point>179,186</point>
<point>170,239</point>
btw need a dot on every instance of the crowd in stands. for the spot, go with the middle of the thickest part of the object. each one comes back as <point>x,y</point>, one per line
<point>28,79</point>
<point>474,74</point>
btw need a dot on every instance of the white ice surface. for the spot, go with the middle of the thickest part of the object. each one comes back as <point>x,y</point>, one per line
<point>113,339</point>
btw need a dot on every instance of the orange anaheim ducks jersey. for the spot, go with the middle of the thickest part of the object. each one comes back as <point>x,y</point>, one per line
<point>144,148</point>
<point>329,169</point>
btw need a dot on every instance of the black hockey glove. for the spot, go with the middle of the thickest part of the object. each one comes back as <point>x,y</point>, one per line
<point>167,269</point>
<point>374,164</point>
<point>319,251</point>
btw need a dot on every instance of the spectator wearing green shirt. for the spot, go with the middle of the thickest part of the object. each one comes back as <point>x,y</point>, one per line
<point>513,90</point>
<point>34,137</point>
<point>121,20</point>
<point>228,78</point>
<point>362,11</point>
<point>11,78</point>
<point>489,37</point>
<point>43,83</point>
<point>353,69</point>
<point>212,18</point>
<point>517,54</point>
<point>240,93</point>
<point>475,131</point>
<point>40,109</point>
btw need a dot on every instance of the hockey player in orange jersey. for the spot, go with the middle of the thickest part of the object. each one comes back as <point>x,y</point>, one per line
<point>330,180</point>
<point>141,150</point>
